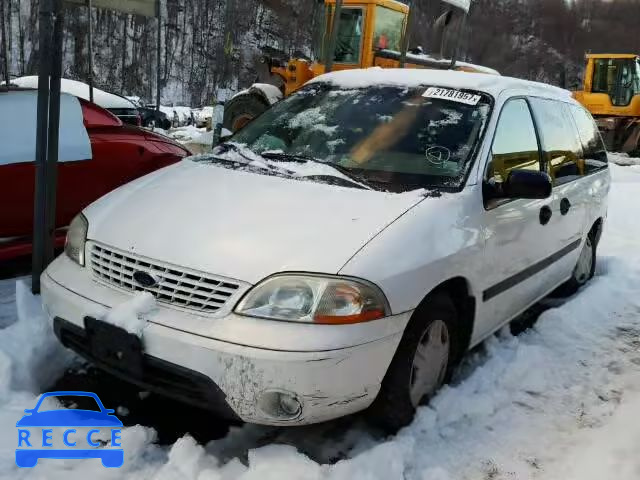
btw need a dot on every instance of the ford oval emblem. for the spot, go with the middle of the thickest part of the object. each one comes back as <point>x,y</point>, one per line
<point>145,279</point>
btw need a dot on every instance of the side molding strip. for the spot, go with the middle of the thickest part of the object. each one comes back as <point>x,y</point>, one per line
<point>511,282</point>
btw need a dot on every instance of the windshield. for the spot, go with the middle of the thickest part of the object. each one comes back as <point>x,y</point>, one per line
<point>395,139</point>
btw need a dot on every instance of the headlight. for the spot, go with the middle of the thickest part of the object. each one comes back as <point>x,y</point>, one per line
<point>76,238</point>
<point>314,299</point>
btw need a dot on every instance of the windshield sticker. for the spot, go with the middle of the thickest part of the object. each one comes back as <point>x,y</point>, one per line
<point>452,95</point>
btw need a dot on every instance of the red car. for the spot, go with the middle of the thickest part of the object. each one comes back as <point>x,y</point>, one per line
<point>121,153</point>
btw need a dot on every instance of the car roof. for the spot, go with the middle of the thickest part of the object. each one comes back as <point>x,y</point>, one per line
<point>80,89</point>
<point>494,85</point>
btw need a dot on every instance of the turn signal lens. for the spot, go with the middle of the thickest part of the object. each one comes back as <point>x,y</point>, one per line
<point>344,303</point>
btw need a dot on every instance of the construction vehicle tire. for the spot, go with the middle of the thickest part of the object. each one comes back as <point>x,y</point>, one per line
<point>242,109</point>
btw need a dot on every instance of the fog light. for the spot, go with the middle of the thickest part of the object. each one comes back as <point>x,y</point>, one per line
<point>290,405</point>
<point>281,405</point>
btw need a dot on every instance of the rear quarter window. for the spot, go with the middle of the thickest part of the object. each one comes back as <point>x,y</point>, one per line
<point>594,150</point>
<point>562,148</point>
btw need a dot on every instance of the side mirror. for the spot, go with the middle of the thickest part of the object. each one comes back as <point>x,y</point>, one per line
<point>527,184</point>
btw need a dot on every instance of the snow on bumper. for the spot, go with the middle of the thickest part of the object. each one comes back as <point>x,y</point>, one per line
<point>328,384</point>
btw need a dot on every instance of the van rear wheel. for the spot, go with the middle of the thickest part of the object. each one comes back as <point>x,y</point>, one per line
<point>422,363</point>
<point>583,271</point>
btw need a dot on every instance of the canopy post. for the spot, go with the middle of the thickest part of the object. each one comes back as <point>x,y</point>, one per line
<point>90,46</point>
<point>54,133</point>
<point>333,38</point>
<point>226,49</point>
<point>406,39</point>
<point>5,44</point>
<point>158,54</point>
<point>46,12</point>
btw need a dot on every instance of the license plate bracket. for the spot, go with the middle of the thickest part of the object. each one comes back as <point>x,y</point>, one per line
<point>114,346</point>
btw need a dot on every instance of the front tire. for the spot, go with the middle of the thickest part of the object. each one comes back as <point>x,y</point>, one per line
<point>241,110</point>
<point>423,361</point>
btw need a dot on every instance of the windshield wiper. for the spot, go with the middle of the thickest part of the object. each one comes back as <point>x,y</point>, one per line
<point>227,147</point>
<point>249,161</point>
<point>302,158</point>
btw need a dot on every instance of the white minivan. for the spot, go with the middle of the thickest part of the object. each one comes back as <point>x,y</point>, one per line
<point>344,250</point>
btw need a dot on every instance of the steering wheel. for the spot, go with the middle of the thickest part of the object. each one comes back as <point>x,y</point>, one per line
<point>343,48</point>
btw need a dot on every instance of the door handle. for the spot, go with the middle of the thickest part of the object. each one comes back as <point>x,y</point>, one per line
<point>545,215</point>
<point>565,206</point>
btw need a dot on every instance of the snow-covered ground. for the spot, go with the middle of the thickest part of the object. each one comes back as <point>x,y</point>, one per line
<point>197,140</point>
<point>559,401</point>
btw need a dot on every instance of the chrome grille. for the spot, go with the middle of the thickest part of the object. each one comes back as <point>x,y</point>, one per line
<point>177,287</point>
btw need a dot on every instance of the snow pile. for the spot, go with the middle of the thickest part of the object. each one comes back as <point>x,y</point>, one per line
<point>560,401</point>
<point>130,315</point>
<point>623,159</point>
<point>30,355</point>
<point>192,135</point>
<point>197,140</point>
<point>183,115</point>
<point>203,114</point>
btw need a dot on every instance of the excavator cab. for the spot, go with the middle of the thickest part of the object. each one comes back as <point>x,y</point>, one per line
<point>619,78</point>
<point>362,28</point>
<point>611,93</point>
<point>351,34</point>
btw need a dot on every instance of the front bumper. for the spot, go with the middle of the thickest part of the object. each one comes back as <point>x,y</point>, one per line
<point>233,378</point>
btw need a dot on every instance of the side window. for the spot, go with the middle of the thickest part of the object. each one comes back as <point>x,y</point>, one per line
<point>388,29</point>
<point>594,151</point>
<point>605,75</point>
<point>515,145</point>
<point>349,41</point>
<point>562,155</point>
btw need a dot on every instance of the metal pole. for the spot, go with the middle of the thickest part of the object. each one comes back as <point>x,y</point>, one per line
<point>54,132</point>
<point>406,39</point>
<point>331,48</point>
<point>158,55</point>
<point>90,40</point>
<point>461,30</point>
<point>5,49</point>
<point>217,115</point>
<point>44,57</point>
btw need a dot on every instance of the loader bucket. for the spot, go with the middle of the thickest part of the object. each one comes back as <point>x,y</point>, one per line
<point>620,134</point>
<point>631,138</point>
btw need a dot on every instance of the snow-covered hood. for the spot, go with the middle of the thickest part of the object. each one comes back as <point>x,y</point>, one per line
<point>242,225</point>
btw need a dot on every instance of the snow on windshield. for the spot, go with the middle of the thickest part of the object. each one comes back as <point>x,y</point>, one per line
<point>393,136</point>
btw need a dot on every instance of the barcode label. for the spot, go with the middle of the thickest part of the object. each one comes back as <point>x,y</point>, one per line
<point>452,95</point>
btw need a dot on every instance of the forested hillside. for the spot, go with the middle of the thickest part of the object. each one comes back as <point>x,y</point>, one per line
<point>536,39</point>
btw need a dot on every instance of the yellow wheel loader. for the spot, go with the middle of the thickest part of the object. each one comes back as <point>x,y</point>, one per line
<point>611,93</point>
<point>350,34</point>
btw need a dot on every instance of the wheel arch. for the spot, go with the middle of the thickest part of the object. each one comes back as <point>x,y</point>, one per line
<point>461,293</point>
<point>596,230</point>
